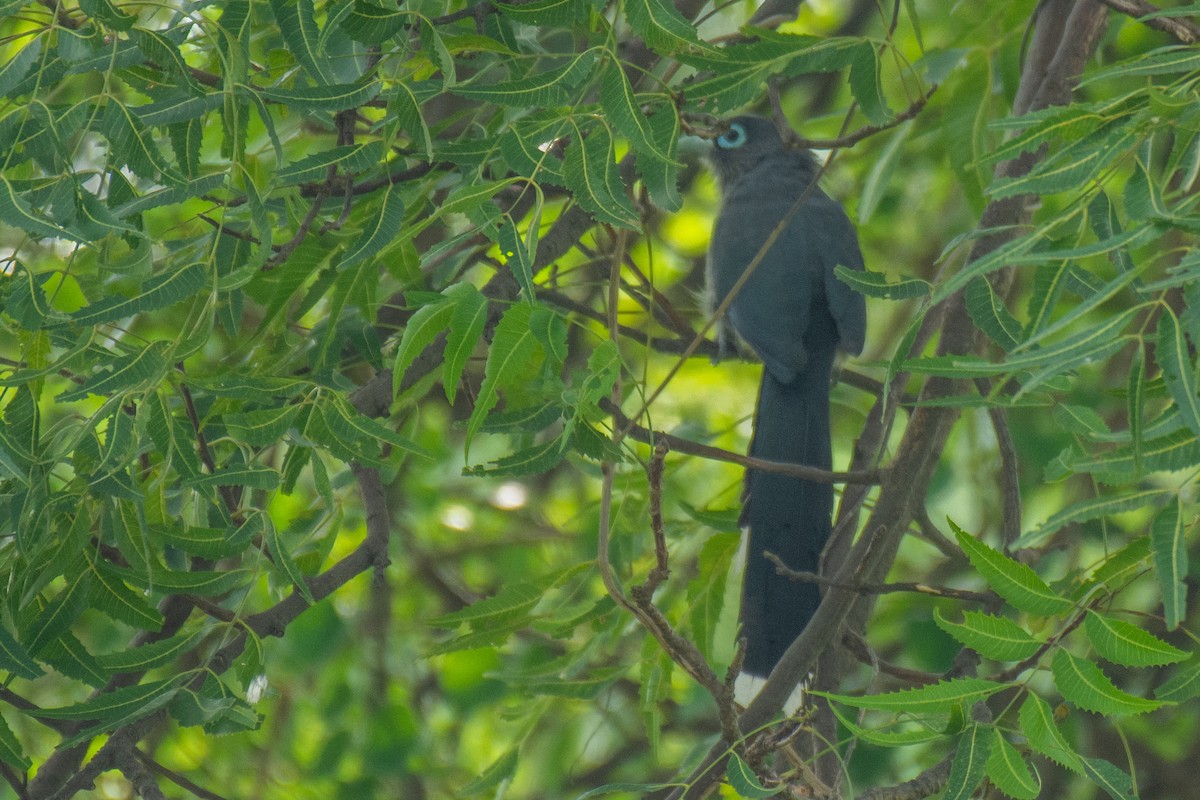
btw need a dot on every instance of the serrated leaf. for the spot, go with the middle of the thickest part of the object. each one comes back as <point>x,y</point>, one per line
<point>928,730</point>
<point>150,656</point>
<point>371,24</point>
<point>407,110</point>
<point>1169,545</point>
<point>262,427</point>
<point>1115,782</point>
<point>1089,509</point>
<point>1082,683</point>
<point>158,292</point>
<point>512,603</point>
<point>59,614</point>
<point>109,705</point>
<point>130,144</point>
<point>422,329</point>
<point>18,65</point>
<point>252,476</point>
<point>131,373</point>
<point>111,597</point>
<point>332,97</point>
<point>497,772</point>
<point>1182,686</point>
<point>10,749</point>
<point>877,284</point>
<point>624,112</point>
<point>661,177</point>
<point>549,88</point>
<point>533,460</point>
<point>1012,580</point>
<point>1007,770</point>
<point>516,254</point>
<point>1176,451</point>
<point>1121,643</point>
<point>937,698</point>
<point>993,637</point>
<point>283,559</point>
<point>990,314</point>
<point>663,28</point>
<point>380,230</point>
<point>298,26</point>
<point>466,324</point>
<point>1178,367</point>
<point>206,583</point>
<point>16,659</point>
<point>346,421</point>
<point>493,636</point>
<point>865,85</point>
<point>969,764</point>
<point>738,773</point>
<point>16,212</point>
<point>706,593</point>
<point>513,345</point>
<point>590,172</point>
<point>1042,734</point>
<point>348,159</point>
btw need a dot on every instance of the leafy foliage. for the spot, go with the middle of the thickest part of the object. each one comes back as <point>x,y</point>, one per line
<point>243,243</point>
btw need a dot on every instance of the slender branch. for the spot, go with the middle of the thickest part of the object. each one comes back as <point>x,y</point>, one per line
<point>879,588</point>
<point>1183,29</point>
<point>175,778</point>
<point>647,436</point>
<point>867,131</point>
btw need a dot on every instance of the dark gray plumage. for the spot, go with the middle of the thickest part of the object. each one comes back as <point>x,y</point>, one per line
<point>794,314</point>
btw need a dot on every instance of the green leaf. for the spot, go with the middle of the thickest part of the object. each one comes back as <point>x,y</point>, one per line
<point>879,177</point>
<point>18,65</point>
<point>590,172</point>
<point>938,698</point>
<point>262,427</point>
<point>158,292</point>
<point>1089,509</point>
<point>380,231</point>
<point>113,598</point>
<point>346,422</point>
<point>1115,782</point>
<point>1176,451</point>
<point>990,314</point>
<point>1006,768</point>
<point>371,24</point>
<point>252,476</point>
<point>549,88</point>
<point>1043,736</point>
<point>106,12</point>
<point>738,773</point>
<point>283,559</point>
<point>625,114</point>
<point>132,373</point>
<point>1163,61</point>
<point>206,583</point>
<point>1012,580</point>
<point>877,284</point>
<point>1082,683</point>
<point>348,159</point>
<point>10,749</point>
<point>970,762</point>
<point>59,614</point>
<point>1169,544</point>
<point>865,85</point>
<point>422,329</point>
<point>927,730</point>
<point>500,770</point>
<point>994,637</point>
<point>151,655</point>
<point>1178,367</point>
<point>517,253</point>
<point>16,212</point>
<point>1128,645</point>
<point>513,603</point>
<point>297,24</point>
<point>1182,686</point>
<point>661,177</point>
<point>513,346</point>
<point>663,28</point>
<point>332,97</point>
<point>403,104</point>
<point>467,321</point>
<point>533,460</point>
<point>16,659</point>
<point>706,593</point>
<point>130,144</point>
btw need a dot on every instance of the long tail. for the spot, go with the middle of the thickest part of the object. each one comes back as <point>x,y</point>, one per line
<point>787,516</point>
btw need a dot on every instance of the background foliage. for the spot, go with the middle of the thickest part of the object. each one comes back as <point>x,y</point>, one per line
<point>333,335</point>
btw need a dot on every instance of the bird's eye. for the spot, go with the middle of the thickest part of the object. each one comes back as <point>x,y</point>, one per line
<point>733,138</point>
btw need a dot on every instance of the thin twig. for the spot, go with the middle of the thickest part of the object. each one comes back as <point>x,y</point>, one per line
<point>1182,29</point>
<point>878,588</point>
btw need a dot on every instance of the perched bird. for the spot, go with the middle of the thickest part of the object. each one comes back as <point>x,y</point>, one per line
<point>794,313</point>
